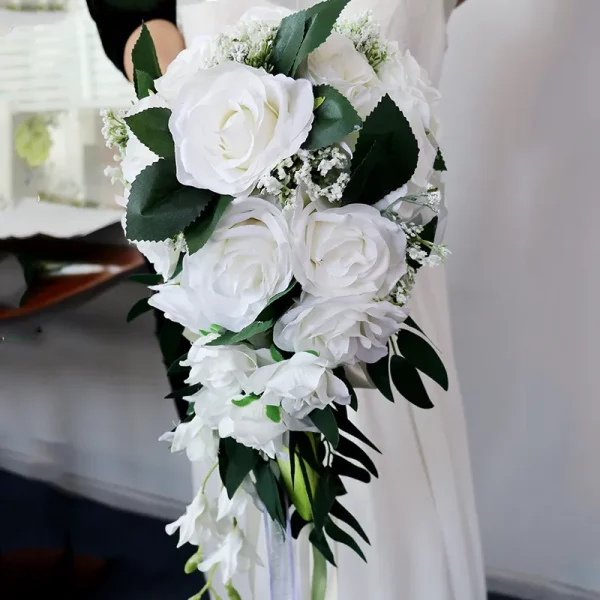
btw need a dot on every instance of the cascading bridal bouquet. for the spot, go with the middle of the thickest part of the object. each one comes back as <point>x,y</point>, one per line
<point>283,179</point>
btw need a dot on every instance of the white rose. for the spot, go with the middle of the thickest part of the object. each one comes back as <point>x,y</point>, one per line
<point>344,331</point>
<point>347,251</point>
<point>337,63</point>
<point>185,65</point>
<point>223,367</point>
<point>299,385</point>
<point>231,280</point>
<point>232,124</point>
<point>409,87</point>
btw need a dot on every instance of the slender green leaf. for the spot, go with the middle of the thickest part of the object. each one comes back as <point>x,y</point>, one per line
<point>348,427</point>
<point>223,458</point>
<point>306,452</point>
<point>320,20</point>
<point>246,401</point>
<point>169,338</point>
<point>440,163</point>
<point>147,278</point>
<point>143,84</point>
<point>200,231</point>
<point>408,382</point>
<point>339,535</point>
<point>324,420</point>
<point>343,514</point>
<point>335,118</point>
<point>428,233</point>
<point>318,540</point>
<point>351,450</point>
<point>241,461</point>
<point>411,323</point>
<point>292,454</point>
<point>287,42</point>
<point>159,207</point>
<point>379,373</point>
<point>267,489</point>
<point>231,337</point>
<point>138,309</point>
<point>175,367</point>
<point>276,354</point>
<point>151,127</point>
<point>386,155</point>
<point>190,390</point>
<point>273,413</point>
<point>344,468</point>
<point>418,352</point>
<point>144,56</point>
<point>327,492</point>
<point>297,524</point>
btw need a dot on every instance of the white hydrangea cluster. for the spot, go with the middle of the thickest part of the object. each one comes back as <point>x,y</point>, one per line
<point>322,175</point>
<point>366,36</point>
<point>249,42</point>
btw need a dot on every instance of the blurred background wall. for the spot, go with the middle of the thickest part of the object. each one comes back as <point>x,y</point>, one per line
<point>521,116</point>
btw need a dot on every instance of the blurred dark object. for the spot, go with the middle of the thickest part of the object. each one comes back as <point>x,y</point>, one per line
<point>64,273</point>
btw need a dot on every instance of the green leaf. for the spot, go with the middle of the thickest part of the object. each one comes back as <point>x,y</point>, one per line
<point>325,422</point>
<point>335,118</point>
<point>351,450</point>
<point>151,127</point>
<point>428,233</point>
<point>160,207</point>
<point>340,536</point>
<point>175,367</point>
<point>344,468</point>
<point>306,451</point>
<point>200,231</point>
<point>285,292</point>
<point>343,514</point>
<point>246,401</point>
<point>231,337</point>
<point>275,354</point>
<point>327,492</point>
<point>287,42</point>
<point>348,427</point>
<point>318,540</point>
<point>143,84</point>
<point>241,460</point>
<point>379,373</point>
<point>440,163</point>
<point>268,491</point>
<point>320,20</point>
<point>147,278</point>
<point>190,390</point>
<point>408,382</point>
<point>411,323</point>
<point>138,309</point>
<point>144,56</point>
<point>274,413</point>
<point>419,353</point>
<point>297,524</point>
<point>169,338</point>
<point>386,155</point>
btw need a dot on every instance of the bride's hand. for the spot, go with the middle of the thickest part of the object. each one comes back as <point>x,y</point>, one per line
<point>167,39</point>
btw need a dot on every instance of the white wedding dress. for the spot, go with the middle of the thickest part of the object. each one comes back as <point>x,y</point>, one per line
<point>420,514</point>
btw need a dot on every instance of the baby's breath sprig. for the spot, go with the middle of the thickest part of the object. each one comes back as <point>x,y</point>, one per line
<point>323,174</point>
<point>366,36</point>
<point>249,42</point>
